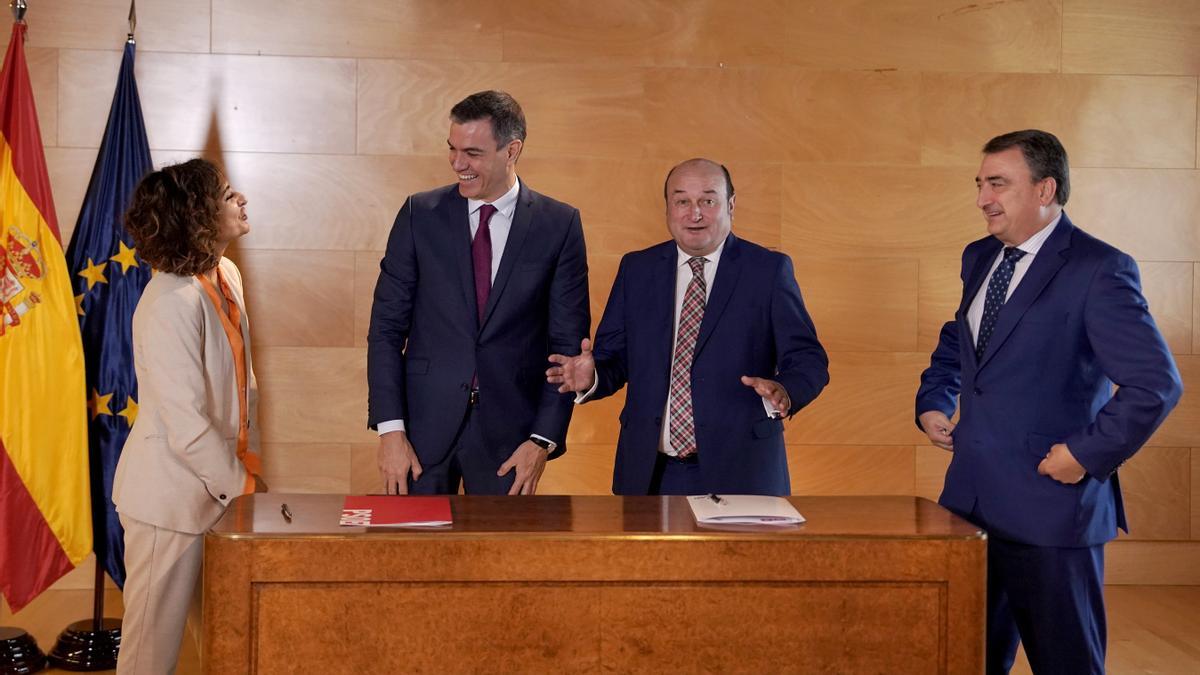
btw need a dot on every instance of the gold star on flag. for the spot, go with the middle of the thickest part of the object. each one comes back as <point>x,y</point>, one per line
<point>79,304</point>
<point>98,404</point>
<point>93,273</point>
<point>126,256</point>
<point>130,411</point>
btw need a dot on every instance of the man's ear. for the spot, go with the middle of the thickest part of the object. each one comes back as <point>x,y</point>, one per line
<point>514,150</point>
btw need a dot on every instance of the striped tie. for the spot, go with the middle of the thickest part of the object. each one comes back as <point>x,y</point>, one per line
<point>683,422</point>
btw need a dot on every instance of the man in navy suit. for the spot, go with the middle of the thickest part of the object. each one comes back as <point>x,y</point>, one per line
<point>1050,319</point>
<point>482,280</point>
<point>711,335</point>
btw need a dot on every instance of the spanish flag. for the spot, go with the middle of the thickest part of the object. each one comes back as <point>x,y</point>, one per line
<point>45,499</point>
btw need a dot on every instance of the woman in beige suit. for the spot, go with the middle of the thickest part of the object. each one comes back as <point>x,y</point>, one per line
<point>193,446</point>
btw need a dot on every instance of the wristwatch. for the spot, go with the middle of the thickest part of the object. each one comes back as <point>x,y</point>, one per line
<point>544,444</point>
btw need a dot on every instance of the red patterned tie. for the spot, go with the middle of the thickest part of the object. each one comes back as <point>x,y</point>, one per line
<point>481,259</point>
<point>683,422</point>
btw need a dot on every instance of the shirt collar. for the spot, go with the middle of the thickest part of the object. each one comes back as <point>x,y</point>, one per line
<point>506,204</point>
<point>1032,245</point>
<point>713,258</point>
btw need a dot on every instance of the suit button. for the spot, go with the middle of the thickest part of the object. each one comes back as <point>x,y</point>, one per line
<point>223,497</point>
<point>978,391</point>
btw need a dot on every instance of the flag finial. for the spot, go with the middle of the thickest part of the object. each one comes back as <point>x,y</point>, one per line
<point>132,19</point>
<point>18,9</point>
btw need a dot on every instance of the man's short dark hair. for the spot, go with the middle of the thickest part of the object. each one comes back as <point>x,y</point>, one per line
<point>728,178</point>
<point>508,121</point>
<point>1045,155</point>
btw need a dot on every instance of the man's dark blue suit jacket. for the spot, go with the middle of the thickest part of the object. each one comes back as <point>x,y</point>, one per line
<point>1075,325</point>
<point>754,324</point>
<point>426,343</point>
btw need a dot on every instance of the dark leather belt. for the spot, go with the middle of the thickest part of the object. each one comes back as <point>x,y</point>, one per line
<point>693,458</point>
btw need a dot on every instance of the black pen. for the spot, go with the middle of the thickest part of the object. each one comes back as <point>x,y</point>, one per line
<point>287,515</point>
<point>716,500</point>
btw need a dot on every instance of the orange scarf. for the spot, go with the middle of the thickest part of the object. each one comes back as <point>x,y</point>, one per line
<point>232,323</point>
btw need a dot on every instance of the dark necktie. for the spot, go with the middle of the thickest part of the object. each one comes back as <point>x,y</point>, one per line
<point>997,291</point>
<point>481,259</point>
<point>683,421</point>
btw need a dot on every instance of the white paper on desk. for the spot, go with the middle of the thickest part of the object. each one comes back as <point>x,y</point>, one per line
<point>744,509</point>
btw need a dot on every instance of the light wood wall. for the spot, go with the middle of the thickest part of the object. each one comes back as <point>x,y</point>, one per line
<point>852,130</point>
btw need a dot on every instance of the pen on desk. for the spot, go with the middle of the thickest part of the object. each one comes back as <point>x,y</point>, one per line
<point>287,514</point>
<point>717,499</point>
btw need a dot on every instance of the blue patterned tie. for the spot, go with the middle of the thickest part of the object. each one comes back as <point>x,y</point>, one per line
<point>997,291</point>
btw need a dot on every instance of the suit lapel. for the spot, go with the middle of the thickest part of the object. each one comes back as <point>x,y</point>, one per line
<point>974,280</point>
<point>454,213</point>
<point>728,271</point>
<point>522,221</point>
<point>1047,262</point>
<point>662,304</point>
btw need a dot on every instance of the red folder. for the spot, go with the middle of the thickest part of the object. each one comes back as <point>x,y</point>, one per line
<point>392,510</point>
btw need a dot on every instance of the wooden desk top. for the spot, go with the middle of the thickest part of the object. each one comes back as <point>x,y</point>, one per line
<point>258,516</point>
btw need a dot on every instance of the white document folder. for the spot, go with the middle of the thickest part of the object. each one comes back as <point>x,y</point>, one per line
<point>744,510</point>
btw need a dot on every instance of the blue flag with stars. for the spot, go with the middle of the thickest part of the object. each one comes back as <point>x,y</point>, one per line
<point>108,279</point>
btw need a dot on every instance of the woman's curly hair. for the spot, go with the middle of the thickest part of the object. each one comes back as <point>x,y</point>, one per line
<point>173,217</point>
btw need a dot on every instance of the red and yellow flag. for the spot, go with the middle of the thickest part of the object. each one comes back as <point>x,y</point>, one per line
<point>45,499</point>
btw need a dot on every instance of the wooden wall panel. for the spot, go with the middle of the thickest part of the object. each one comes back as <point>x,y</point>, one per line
<point>896,36</point>
<point>1168,288</point>
<point>366,274</point>
<point>404,106</point>
<point>1182,428</point>
<point>585,469</point>
<point>879,212</point>
<point>405,29</point>
<point>1195,496</point>
<point>364,468</point>
<point>328,202</point>
<point>1131,36</point>
<point>861,305</point>
<point>869,401</point>
<point>851,469</point>
<point>69,170</point>
<point>193,101</point>
<point>163,25</point>
<point>299,298</point>
<point>783,114</point>
<point>312,394</point>
<point>1122,206</point>
<point>306,467</point>
<point>43,79</point>
<point>932,463</point>
<point>1196,308</point>
<point>1155,563</point>
<point>939,292</point>
<point>1157,487</point>
<point>1109,121</point>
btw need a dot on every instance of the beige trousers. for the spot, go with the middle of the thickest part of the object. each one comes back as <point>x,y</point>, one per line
<point>162,568</point>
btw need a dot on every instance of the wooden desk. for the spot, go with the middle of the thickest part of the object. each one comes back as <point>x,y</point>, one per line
<point>589,584</point>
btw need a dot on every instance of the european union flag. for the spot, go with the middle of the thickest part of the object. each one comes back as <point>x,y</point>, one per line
<point>108,279</point>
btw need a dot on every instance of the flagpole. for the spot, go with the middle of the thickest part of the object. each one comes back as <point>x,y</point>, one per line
<point>93,644</point>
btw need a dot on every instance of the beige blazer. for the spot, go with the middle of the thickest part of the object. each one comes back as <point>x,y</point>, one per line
<point>179,467</point>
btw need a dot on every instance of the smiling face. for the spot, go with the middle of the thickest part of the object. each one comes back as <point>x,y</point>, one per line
<point>232,221</point>
<point>1014,205</point>
<point>484,171</point>
<point>699,213</point>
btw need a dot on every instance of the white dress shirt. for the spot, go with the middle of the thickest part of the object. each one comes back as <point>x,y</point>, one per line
<point>1030,246</point>
<point>499,227</point>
